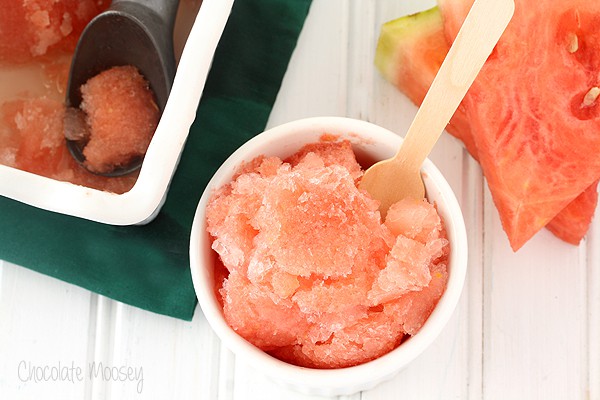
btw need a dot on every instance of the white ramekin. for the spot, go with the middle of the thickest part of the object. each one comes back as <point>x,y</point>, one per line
<point>369,142</point>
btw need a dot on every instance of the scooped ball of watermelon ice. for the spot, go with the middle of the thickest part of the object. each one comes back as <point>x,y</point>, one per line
<point>122,116</point>
<point>313,276</point>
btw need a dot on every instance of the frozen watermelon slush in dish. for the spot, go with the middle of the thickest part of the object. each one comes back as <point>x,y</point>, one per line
<point>312,275</point>
<point>37,28</point>
<point>37,41</point>
<point>120,114</point>
<point>295,270</point>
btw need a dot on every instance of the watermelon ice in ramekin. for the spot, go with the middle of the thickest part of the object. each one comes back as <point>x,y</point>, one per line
<point>370,143</point>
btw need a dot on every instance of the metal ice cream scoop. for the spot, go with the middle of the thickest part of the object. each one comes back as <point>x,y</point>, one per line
<point>130,32</point>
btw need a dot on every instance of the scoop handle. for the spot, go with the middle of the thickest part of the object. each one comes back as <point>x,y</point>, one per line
<point>166,10</point>
<point>475,41</point>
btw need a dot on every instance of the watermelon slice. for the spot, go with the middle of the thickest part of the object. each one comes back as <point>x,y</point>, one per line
<point>409,54</point>
<point>536,111</point>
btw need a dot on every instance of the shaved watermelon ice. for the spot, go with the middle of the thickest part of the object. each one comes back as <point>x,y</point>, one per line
<point>37,40</point>
<point>307,271</point>
<point>31,29</point>
<point>31,140</point>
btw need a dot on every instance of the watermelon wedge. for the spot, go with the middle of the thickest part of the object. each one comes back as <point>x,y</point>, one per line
<point>409,53</point>
<point>536,111</point>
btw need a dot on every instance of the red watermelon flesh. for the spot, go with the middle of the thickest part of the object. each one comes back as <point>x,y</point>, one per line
<point>410,52</point>
<point>535,110</point>
<point>573,221</point>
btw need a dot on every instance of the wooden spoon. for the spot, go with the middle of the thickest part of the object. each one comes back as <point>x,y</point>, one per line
<point>399,177</point>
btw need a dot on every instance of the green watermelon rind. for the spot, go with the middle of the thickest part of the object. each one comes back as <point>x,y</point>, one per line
<point>409,29</point>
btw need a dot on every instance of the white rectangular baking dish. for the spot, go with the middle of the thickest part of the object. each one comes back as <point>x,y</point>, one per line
<point>143,202</point>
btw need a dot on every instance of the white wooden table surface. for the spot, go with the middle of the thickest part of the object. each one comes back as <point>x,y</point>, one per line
<point>527,325</point>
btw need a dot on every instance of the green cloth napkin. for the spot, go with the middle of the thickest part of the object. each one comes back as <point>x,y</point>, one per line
<point>148,266</point>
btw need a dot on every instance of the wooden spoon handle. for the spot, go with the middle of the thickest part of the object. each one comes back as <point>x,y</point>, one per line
<point>475,41</point>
